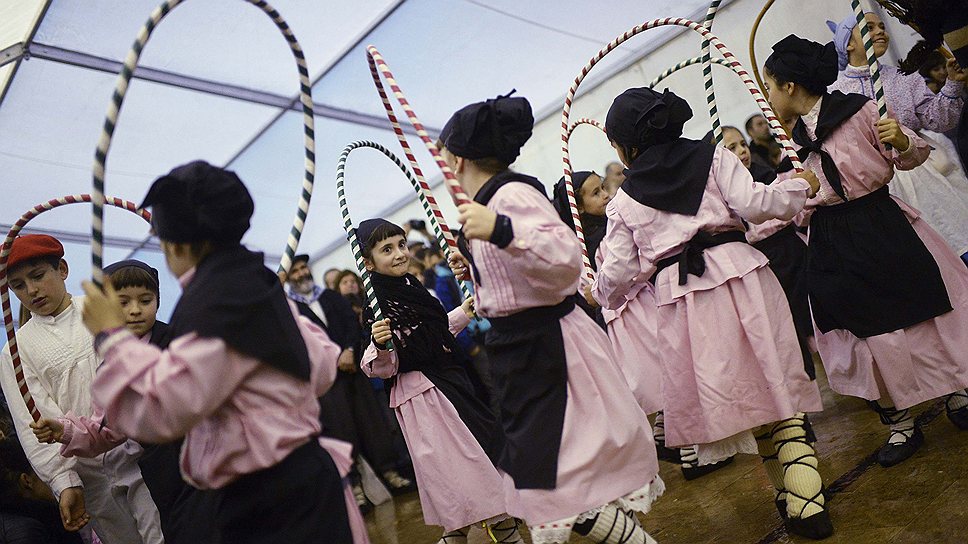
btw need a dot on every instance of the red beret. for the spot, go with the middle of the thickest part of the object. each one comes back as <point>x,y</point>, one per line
<point>33,246</point>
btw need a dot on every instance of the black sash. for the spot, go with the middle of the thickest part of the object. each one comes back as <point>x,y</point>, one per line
<point>869,272</point>
<point>527,355</point>
<point>691,259</point>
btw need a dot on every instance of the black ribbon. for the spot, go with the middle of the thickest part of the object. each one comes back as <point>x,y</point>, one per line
<point>692,259</point>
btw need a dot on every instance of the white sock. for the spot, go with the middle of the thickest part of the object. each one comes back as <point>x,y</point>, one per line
<point>612,526</point>
<point>658,430</point>
<point>957,400</point>
<point>455,537</point>
<point>689,456</point>
<point>505,531</point>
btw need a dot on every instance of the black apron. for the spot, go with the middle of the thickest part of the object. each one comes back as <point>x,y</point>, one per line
<point>869,272</point>
<point>249,510</point>
<point>788,257</point>
<point>527,355</point>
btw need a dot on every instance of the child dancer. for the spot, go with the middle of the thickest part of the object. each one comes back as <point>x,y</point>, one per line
<point>779,241</point>
<point>59,365</point>
<point>632,327</point>
<point>732,362</point>
<point>889,298</point>
<point>138,288</point>
<point>452,435</point>
<point>940,198</point>
<point>578,448</point>
<point>240,378</point>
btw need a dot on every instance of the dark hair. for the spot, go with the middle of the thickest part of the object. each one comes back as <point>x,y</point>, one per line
<point>490,165</point>
<point>13,463</point>
<point>931,61</point>
<point>816,88</point>
<point>53,260</point>
<point>749,121</point>
<point>379,234</point>
<point>731,127</point>
<point>424,251</point>
<point>344,273</point>
<point>133,276</point>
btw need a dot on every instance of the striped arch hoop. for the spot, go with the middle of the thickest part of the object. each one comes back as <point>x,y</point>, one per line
<point>442,233</point>
<point>378,67</point>
<point>5,287</point>
<point>583,121</point>
<point>707,73</point>
<point>114,108</point>
<point>775,126</point>
<point>684,64</point>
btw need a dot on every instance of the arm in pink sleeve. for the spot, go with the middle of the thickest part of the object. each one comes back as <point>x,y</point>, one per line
<point>158,396</point>
<point>912,157</point>
<point>379,363</point>
<point>543,245</point>
<point>618,270</point>
<point>757,202</point>
<point>323,352</point>
<point>457,320</point>
<point>86,437</point>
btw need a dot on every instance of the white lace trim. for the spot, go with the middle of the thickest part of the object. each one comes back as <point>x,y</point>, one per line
<point>714,452</point>
<point>558,532</point>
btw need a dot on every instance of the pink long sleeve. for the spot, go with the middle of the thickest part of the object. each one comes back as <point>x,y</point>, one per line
<point>86,436</point>
<point>758,202</point>
<point>621,265</point>
<point>237,414</point>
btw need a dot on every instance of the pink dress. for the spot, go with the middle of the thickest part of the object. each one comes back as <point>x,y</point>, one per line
<point>633,332</point>
<point>918,363</point>
<point>607,453</point>
<point>237,415</point>
<point>457,482</point>
<point>731,361</point>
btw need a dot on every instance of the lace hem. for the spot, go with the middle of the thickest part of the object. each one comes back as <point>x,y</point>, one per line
<point>714,452</point>
<point>558,532</point>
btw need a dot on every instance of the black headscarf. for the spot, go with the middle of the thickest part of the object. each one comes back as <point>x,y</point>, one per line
<point>198,201</point>
<point>366,227</point>
<point>593,226</point>
<point>232,296</point>
<point>804,62</point>
<point>670,172</point>
<point>497,127</point>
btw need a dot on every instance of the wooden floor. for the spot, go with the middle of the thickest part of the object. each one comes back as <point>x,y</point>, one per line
<point>922,500</point>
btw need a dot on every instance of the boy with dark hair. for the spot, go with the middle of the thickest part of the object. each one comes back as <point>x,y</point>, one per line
<point>59,365</point>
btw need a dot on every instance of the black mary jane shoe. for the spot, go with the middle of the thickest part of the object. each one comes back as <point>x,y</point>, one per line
<point>959,417</point>
<point>893,454</point>
<point>691,473</point>
<point>815,527</point>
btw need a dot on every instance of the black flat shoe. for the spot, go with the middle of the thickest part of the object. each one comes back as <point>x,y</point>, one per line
<point>959,417</point>
<point>815,527</point>
<point>668,454</point>
<point>892,454</point>
<point>691,473</point>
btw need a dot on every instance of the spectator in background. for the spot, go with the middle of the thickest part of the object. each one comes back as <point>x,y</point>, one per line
<point>330,278</point>
<point>350,286</point>
<point>350,410</point>
<point>614,177</point>
<point>417,233</point>
<point>764,149</point>
<point>934,71</point>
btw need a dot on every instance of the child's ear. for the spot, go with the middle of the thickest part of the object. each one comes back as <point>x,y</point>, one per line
<point>368,264</point>
<point>63,269</point>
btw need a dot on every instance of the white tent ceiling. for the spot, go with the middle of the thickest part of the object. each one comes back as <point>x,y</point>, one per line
<point>218,79</point>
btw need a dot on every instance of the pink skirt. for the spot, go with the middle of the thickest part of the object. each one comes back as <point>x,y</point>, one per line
<point>634,337</point>
<point>912,365</point>
<point>731,361</point>
<point>607,451</point>
<point>457,483</point>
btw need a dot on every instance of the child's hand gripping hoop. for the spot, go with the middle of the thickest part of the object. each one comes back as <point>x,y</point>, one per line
<point>5,287</point>
<point>114,108</point>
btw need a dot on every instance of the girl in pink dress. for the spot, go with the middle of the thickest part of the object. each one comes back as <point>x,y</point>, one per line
<point>452,434</point>
<point>889,298</point>
<point>731,358</point>
<point>578,450</point>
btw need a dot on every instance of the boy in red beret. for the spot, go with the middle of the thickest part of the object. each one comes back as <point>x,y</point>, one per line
<point>59,365</point>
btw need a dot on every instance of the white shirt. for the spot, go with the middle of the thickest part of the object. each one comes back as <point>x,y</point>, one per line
<point>57,353</point>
